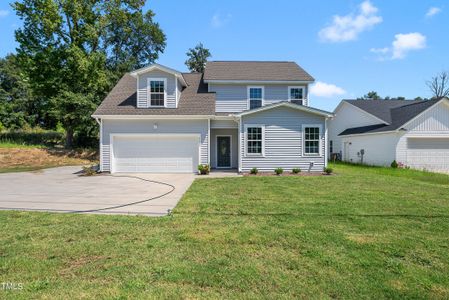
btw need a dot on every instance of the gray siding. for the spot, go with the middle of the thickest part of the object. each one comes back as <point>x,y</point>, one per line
<point>234,98</point>
<point>142,94</point>
<point>223,124</point>
<point>283,140</point>
<point>234,146</point>
<point>146,126</point>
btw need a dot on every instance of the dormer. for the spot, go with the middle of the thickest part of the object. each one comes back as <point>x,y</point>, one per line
<point>158,86</point>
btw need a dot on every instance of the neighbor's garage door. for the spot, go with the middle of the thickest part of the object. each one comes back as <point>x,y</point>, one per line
<point>155,153</point>
<point>428,153</point>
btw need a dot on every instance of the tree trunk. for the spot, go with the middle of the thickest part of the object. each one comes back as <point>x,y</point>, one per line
<point>69,138</point>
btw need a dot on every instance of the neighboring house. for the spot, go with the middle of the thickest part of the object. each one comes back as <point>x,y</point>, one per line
<point>376,132</point>
<point>238,114</point>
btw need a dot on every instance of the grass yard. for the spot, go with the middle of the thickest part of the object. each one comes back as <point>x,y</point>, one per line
<point>363,233</point>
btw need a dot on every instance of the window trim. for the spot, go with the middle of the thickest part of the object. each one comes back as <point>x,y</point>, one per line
<point>248,88</point>
<point>262,154</point>
<point>320,141</point>
<point>303,93</point>
<point>149,91</point>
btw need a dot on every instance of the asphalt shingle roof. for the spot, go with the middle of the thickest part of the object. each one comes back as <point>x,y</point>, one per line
<point>255,71</point>
<point>394,113</point>
<point>194,100</point>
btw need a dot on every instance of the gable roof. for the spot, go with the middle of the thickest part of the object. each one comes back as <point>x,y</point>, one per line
<point>122,100</point>
<point>255,71</point>
<point>287,104</point>
<point>395,113</point>
<point>151,67</point>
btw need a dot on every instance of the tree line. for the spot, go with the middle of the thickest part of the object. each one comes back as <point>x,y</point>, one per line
<point>72,52</point>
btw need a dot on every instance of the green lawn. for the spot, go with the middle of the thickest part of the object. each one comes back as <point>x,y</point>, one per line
<point>362,233</point>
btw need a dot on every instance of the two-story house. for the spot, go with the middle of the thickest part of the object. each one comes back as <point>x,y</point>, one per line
<point>237,115</point>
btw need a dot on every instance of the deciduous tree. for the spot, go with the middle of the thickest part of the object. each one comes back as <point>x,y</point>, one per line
<point>74,49</point>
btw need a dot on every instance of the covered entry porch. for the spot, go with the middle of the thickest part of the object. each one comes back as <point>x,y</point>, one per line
<point>224,144</point>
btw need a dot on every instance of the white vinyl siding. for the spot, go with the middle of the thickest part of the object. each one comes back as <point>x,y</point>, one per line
<point>234,98</point>
<point>423,145</point>
<point>143,99</point>
<point>282,140</point>
<point>380,149</point>
<point>164,126</point>
<point>347,116</point>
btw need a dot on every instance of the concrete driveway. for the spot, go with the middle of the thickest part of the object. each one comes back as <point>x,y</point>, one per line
<point>63,190</point>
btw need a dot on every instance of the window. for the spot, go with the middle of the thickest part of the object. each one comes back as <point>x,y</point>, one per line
<point>296,94</point>
<point>254,140</point>
<point>331,147</point>
<point>255,96</point>
<point>312,140</point>
<point>157,92</point>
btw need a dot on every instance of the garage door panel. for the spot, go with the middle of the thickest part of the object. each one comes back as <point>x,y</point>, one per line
<point>428,153</point>
<point>155,154</point>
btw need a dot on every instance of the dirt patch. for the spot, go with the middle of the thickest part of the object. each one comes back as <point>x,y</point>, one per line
<point>38,157</point>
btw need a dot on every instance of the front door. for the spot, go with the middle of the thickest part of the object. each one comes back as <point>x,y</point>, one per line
<point>223,151</point>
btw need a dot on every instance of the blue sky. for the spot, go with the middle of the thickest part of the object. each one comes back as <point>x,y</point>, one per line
<point>350,47</point>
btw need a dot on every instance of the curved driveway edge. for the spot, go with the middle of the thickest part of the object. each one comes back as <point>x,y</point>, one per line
<point>62,190</point>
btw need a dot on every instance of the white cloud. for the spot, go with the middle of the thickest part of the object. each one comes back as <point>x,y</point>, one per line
<point>402,44</point>
<point>380,50</point>
<point>347,28</point>
<point>433,11</point>
<point>3,13</point>
<point>326,90</point>
<point>219,20</point>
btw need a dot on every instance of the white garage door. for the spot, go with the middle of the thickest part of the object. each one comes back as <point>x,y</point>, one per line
<point>155,153</point>
<point>428,153</point>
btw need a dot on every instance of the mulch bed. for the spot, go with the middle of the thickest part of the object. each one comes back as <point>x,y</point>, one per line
<point>288,174</point>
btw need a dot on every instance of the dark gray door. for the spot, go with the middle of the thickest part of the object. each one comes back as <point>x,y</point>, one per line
<point>223,151</point>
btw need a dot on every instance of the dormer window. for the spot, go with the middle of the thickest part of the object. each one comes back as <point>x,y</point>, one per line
<point>157,92</point>
<point>255,97</point>
<point>296,94</point>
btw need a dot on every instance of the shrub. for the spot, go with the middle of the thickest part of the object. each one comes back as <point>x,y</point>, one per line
<point>254,171</point>
<point>204,169</point>
<point>394,164</point>
<point>328,170</point>
<point>278,171</point>
<point>33,137</point>
<point>296,170</point>
<point>89,170</point>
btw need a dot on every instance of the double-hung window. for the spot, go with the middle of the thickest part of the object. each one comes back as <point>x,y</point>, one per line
<point>254,139</point>
<point>296,94</point>
<point>157,92</point>
<point>311,144</point>
<point>255,96</point>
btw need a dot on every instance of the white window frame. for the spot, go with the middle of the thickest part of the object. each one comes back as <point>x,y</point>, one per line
<point>303,94</point>
<point>320,140</point>
<point>262,154</point>
<point>149,91</point>
<point>248,88</point>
